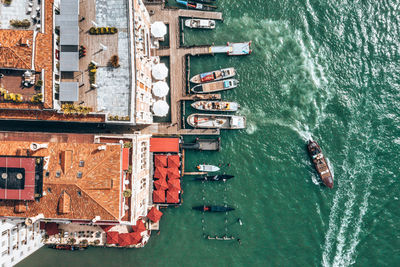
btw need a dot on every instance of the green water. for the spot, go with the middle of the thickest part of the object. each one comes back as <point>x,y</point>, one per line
<point>326,69</point>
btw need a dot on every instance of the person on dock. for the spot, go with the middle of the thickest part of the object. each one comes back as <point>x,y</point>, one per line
<point>239,241</point>
<point>240,222</point>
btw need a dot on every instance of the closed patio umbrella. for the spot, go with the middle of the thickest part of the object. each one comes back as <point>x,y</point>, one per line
<point>159,71</point>
<point>154,214</point>
<point>159,196</point>
<point>158,29</point>
<point>160,89</point>
<point>161,184</point>
<point>160,108</point>
<point>174,184</point>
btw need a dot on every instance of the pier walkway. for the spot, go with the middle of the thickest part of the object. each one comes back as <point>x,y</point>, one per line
<point>177,68</point>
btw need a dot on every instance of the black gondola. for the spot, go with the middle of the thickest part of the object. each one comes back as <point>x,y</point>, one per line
<point>205,1</point>
<point>213,208</point>
<point>215,178</point>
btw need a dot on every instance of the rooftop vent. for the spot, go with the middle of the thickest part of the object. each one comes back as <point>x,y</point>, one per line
<point>81,163</point>
<point>36,146</point>
<point>103,147</point>
<point>79,175</point>
<point>58,174</point>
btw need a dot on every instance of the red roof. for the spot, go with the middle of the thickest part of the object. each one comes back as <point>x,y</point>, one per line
<point>112,238</point>
<point>174,184</point>
<point>125,159</point>
<point>160,173</point>
<point>135,237</point>
<point>154,214</point>
<point>124,239</point>
<point>164,145</point>
<point>51,228</point>
<point>174,161</point>
<point>173,173</point>
<point>172,196</point>
<point>160,160</point>
<point>139,227</point>
<point>159,196</point>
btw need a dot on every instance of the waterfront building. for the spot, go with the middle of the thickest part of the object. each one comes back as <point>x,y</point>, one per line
<point>76,61</point>
<point>18,241</point>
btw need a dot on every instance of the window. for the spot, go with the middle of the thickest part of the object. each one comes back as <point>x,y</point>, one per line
<point>143,183</point>
<point>4,232</point>
<point>58,174</point>
<point>81,163</point>
<point>79,175</point>
<point>143,155</point>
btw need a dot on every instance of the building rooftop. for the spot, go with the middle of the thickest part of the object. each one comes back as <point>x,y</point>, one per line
<point>81,181</point>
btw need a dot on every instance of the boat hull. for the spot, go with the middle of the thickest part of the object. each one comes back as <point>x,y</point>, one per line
<point>206,208</point>
<point>216,121</point>
<point>207,168</point>
<point>207,24</point>
<point>320,163</point>
<point>214,75</point>
<point>216,86</point>
<point>215,106</point>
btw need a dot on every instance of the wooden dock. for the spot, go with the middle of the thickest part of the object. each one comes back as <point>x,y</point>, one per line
<point>178,66</point>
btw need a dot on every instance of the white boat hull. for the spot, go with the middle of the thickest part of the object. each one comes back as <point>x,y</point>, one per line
<point>216,121</point>
<point>207,168</point>
<point>216,106</point>
<point>200,23</point>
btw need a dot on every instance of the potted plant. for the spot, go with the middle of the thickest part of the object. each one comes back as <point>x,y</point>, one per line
<point>127,193</point>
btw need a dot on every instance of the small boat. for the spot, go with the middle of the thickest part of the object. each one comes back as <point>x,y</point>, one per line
<point>200,23</point>
<point>214,75</point>
<point>216,121</point>
<point>215,105</point>
<point>215,86</point>
<point>198,6</point>
<point>207,168</point>
<point>213,208</point>
<point>320,164</point>
<point>215,178</point>
<point>67,247</point>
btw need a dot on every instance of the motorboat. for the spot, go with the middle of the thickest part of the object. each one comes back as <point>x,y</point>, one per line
<point>211,87</point>
<point>214,75</point>
<point>320,164</point>
<point>215,178</point>
<point>207,168</point>
<point>213,208</point>
<point>67,247</point>
<point>215,105</point>
<point>200,23</point>
<point>195,5</point>
<point>216,121</point>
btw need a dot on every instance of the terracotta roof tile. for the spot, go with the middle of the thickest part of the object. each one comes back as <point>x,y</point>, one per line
<point>13,54</point>
<point>95,192</point>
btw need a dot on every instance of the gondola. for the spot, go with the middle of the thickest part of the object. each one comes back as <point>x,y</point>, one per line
<point>213,208</point>
<point>215,178</point>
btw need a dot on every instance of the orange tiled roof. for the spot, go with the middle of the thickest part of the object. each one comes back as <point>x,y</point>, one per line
<point>16,49</point>
<point>96,193</point>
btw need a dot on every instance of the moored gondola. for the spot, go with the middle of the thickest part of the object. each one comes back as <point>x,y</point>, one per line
<point>206,208</point>
<point>215,178</point>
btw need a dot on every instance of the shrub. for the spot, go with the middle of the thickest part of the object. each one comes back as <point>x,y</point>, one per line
<point>20,23</point>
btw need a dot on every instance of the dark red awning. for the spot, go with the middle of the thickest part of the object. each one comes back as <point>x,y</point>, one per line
<point>125,159</point>
<point>112,238</point>
<point>51,228</point>
<point>160,160</point>
<point>159,196</point>
<point>164,145</point>
<point>173,173</point>
<point>174,161</point>
<point>154,214</point>
<point>174,184</point>
<point>160,173</point>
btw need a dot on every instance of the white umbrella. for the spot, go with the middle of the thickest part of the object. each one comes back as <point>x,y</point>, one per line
<point>158,29</point>
<point>160,89</point>
<point>159,71</point>
<point>160,108</point>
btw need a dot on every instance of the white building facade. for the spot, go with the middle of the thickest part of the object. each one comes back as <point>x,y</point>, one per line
<point>18,241</point>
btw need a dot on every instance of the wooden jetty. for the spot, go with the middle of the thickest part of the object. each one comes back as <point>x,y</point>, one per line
<point>178,66</point>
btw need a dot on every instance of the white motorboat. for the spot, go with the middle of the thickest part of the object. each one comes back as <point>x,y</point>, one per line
<point>215,105</point>
<point>214,75</point>
<point>207,168</point>
<point>216,121</point>
<point>200,23</point>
